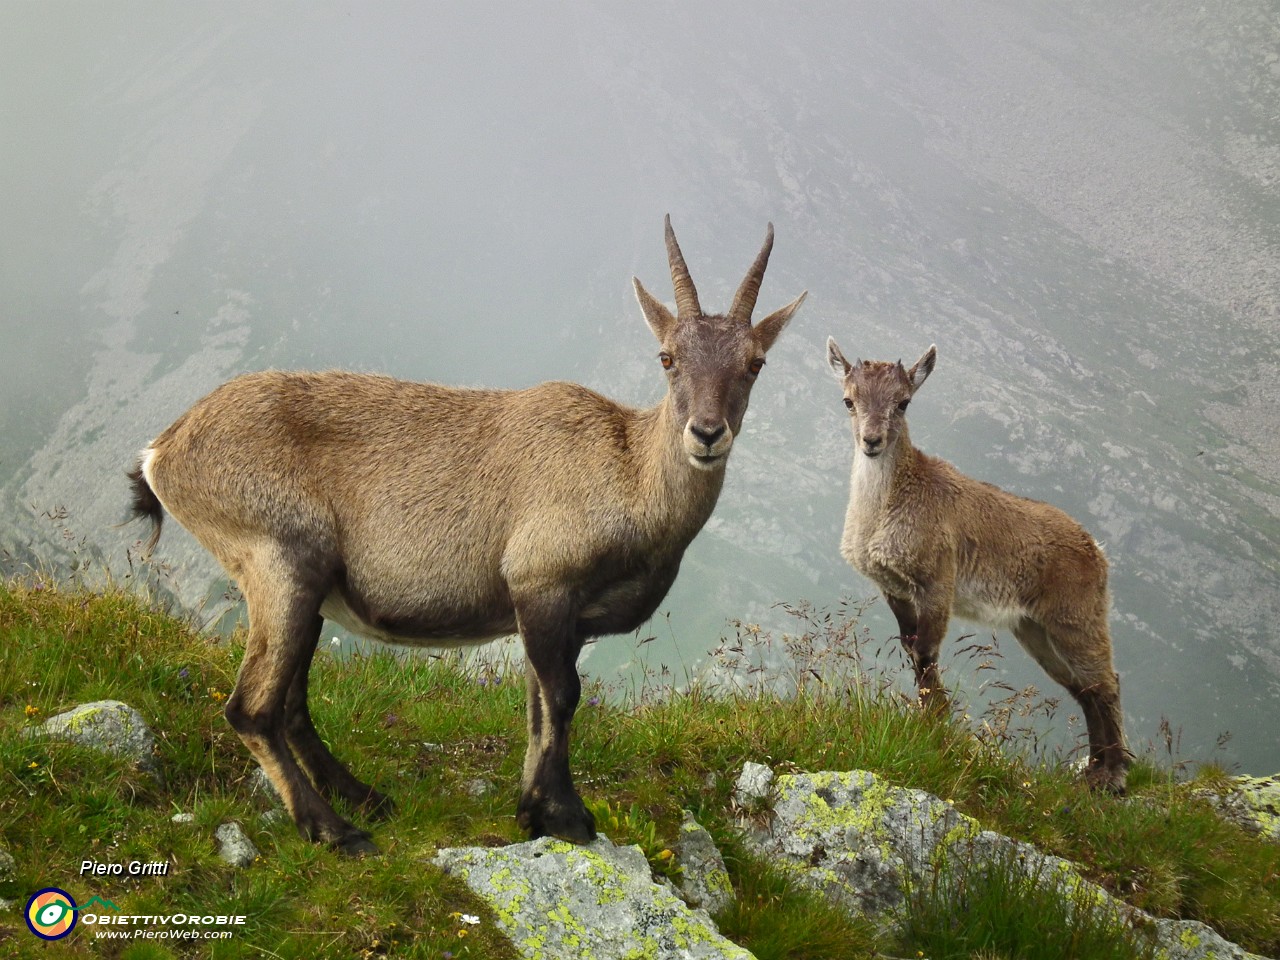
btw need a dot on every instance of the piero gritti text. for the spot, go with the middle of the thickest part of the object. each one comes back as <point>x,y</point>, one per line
<point>134,868</point>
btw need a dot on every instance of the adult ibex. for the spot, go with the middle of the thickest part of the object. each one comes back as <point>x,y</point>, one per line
<point>936,541</point>
<point>424,514</point>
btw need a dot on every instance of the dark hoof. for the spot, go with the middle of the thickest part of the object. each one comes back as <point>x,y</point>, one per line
<point>580,832</point>
<point>1103,780</point>
<point>357,844</point>
<point>567,821</point>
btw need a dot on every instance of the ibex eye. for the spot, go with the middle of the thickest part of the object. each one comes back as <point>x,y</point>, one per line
<point>902,407</point>
<point>666,360</point>
<point>848,403</point>
<point>756,366</point>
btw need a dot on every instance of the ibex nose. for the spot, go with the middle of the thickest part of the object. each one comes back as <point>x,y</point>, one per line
<point>872,444</point>
<point>707,434</point>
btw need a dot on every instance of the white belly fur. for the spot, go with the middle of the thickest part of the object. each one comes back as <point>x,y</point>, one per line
<point>973,604</point>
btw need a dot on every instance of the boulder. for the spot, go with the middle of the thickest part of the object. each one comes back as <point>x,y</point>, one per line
<point>755,784</point>
<point>1250,802</point>
<point>704,880</point>
<point>109,726</point>
<point>234,847</point>
<point>594,902</point>
<point>260,785</point>
<point>856,838</point>
<point>863,842</point>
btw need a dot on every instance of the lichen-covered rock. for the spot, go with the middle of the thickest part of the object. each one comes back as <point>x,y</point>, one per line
<point>856,838</point>
<point>234,847</point>
<point>107,725</point>
<point>864,842</point>
<point>1251,802</point>
<point>558,901</point>
<point>1189,940</point>
<point>7,864</point>
<point>704,880</point>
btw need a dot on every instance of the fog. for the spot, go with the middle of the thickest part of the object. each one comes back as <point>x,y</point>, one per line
<point>1080,204</point>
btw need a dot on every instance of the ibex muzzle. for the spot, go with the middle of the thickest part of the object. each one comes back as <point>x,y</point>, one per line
<point>423,514</point>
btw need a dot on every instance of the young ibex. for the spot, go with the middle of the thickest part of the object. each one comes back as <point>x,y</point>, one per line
<point>935,541</point>
<point>424,514</point>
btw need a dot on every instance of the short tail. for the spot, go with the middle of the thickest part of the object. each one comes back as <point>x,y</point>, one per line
<point>146,504</point>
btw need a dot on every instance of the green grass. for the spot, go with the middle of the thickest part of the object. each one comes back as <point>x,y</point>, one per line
<point>422,729</point>
<point>995,910</point>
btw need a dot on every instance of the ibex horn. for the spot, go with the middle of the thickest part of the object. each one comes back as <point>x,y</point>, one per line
<point>686,295</point>
<point>744,301</point>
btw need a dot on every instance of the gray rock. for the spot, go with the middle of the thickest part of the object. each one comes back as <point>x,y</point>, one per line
<point>856,838</point>
<point>7,864</point>
<point>862,841</point>
<point>1252,803</point>
<point>234,847</point>
<point>477,788</point>
<point>704,880</point>
<point>109,726</point>
<point>1189,940</point>
<point>755,783</point>
<point>183,818</point>
<point>260,785</point>
<point>595,902</point>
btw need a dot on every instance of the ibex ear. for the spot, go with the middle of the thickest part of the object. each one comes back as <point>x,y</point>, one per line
<point>921,369</point>
<point>767,330</point>
<point>659,318</point>
<point>839,365</point>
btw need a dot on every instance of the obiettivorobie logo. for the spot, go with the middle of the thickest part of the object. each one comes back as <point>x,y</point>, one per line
<point>52,912</point>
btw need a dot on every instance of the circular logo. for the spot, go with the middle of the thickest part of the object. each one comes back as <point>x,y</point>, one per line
<point>51,913</point>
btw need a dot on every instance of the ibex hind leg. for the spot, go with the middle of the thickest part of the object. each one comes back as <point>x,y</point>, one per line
<point>329,774</point>
<point>282,622</point>
<point>1080,660</point>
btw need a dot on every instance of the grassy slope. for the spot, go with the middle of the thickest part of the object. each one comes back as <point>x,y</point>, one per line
<point>60,804</point>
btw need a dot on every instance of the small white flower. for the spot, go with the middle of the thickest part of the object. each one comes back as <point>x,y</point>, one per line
<point>469,918</point>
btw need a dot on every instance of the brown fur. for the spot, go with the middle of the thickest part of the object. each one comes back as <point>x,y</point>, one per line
<point>937,542</point>
<point>423,514</point>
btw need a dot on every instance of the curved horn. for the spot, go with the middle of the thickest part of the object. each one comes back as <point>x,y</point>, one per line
<point>744,301</point>
<point>686,295</point>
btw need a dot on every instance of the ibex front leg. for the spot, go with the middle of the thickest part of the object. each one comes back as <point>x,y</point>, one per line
<point>921,630</point>
<point>549,805</point>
